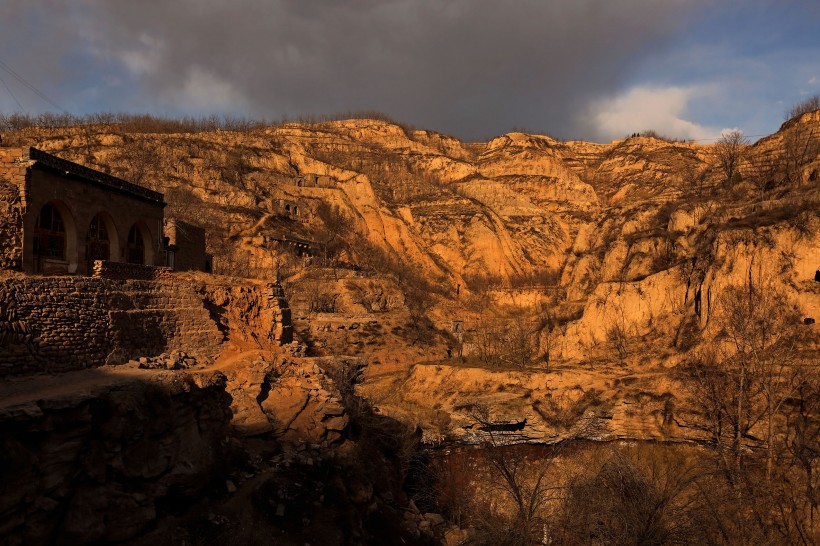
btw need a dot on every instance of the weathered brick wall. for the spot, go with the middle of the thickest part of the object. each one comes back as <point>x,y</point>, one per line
<point>57,324</point>
<point>12,176</point>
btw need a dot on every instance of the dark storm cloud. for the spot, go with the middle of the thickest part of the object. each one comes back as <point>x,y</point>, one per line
<point>469,67</point>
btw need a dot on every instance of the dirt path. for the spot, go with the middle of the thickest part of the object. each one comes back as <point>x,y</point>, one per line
<point>17,391</point>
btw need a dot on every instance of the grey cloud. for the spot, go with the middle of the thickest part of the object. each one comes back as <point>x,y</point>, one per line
<point>468,67</point>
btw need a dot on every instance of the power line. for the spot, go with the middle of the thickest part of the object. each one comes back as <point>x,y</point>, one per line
<point>20,106</point>
<point>31,87</point>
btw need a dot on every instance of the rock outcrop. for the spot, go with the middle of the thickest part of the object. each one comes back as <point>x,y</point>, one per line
<point>94,462</point>
<point>291,400</point>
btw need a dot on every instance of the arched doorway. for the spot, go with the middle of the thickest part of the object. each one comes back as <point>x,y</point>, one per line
<point>101,242</point>
<point>135,247</point>
<point>55,240</point>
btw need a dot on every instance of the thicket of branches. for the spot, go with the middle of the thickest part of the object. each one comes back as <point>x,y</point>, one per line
<point>132,123</point>
<point>803,107</point>
<point>150,123</point>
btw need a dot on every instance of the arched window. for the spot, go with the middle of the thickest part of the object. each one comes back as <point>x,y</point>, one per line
<point>135,248</point>
<point>49,234</point>
<point>98,243</point>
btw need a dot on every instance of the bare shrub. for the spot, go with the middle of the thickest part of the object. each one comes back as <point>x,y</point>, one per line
<point>345,373</point>
<point>420,329</point>
<point>132,123</point>
<point>534,279</point>
<point>803,107</point>
<point>563,411</point>
<point>639,495</point>
<point>371,296</point>
<point>505,341</point>
<point>319,298</point>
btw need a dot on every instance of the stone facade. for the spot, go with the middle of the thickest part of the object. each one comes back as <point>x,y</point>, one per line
<point>186,246</point>
<point>315,181</point>
<point>58,324</point>
<point>94,216</point>
<point>12,179</point>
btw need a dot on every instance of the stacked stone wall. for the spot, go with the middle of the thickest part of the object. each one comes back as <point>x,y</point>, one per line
<point>104,269</point>
<point>12,179</point>
<point>58,324</point>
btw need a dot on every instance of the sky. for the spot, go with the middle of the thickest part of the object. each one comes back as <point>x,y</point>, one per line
<point>574,69</point>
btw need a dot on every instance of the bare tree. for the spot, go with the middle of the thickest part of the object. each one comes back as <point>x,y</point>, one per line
<point>335,227</point>
<point>729,150</point>
<point>521,340</point>
<point>760,329</point>
<point>617,333</point>
<point>802,453</point>
<point>749,375</point>
<point>520,479</point>
<point>319,298</point>
<point>545,329</point>
<point>763,171</point>
<point>138,160</point>
<point>690,181</point>
<point>800,147</point>
<point>635,495</point>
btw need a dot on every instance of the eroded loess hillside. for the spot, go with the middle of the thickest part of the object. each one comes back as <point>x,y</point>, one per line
<point>521,290</point>
<point>521,252</point>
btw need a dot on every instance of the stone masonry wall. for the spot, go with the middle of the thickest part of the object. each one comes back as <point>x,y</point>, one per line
<point>12,177</point>
<point>57,324</point>
<point>103,269</point>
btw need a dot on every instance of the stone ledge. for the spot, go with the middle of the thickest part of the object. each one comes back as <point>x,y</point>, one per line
<point>104,269</point>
